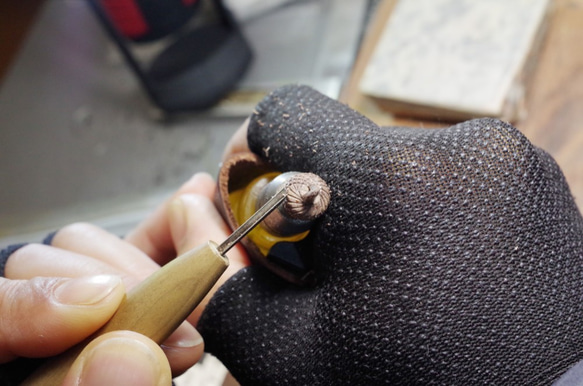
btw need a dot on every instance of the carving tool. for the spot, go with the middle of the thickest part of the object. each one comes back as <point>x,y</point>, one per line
<point>281,243</point>
<point>159,304</point>
<point>308,197</point>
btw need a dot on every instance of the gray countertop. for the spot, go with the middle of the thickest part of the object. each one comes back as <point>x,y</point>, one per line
<point>79,142</point>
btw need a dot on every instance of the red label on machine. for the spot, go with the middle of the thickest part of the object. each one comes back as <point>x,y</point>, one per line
<point>127,17</point>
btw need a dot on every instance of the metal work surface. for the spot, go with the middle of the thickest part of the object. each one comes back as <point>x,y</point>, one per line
<point>78,141</point>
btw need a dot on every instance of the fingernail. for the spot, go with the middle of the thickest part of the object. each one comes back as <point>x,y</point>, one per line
<point>120,362</point>
<point>184,337</point>
<point>178,219</point>
<point>86,291</point>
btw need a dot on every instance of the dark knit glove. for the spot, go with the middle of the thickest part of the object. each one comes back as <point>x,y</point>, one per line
<point>447,256</point>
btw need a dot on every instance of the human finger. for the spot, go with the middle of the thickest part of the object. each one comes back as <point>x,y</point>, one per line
<point>90,240</point>
<point>34,260</point>
<point>152,236</point>
<point>46,315</point>
<point>184,346</point>
<point>193,221</point>
<point>123,358</point>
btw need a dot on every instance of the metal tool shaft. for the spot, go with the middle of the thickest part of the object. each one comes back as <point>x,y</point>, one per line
<point>252,221</point>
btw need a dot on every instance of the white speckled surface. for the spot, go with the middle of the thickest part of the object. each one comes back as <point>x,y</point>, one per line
<point>454,54</point>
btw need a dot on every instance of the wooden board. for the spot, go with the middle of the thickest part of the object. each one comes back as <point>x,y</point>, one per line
<point>455,59</point>
<point>554,104</point>
<point>554,99</point>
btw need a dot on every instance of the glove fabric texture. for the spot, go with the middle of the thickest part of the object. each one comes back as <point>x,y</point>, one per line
<point>447,256</point>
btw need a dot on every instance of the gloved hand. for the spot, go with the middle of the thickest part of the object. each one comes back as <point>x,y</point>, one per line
<point>447,256</point>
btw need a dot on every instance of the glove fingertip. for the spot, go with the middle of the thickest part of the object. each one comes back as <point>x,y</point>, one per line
<point>295,123</point>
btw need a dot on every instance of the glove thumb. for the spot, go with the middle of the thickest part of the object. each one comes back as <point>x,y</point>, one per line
<point>297,128</point>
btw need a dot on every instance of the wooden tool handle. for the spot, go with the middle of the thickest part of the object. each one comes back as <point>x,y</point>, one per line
<point>154,308</point>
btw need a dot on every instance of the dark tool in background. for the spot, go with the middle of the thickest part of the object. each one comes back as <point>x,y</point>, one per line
<point>199,65</point>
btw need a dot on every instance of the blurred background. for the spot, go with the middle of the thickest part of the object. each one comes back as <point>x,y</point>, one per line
<point>84,135</point>
<point>107,106</point>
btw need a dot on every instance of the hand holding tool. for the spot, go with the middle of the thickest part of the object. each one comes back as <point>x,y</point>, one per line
<point>159,304</point>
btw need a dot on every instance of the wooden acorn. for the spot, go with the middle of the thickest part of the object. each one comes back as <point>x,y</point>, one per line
<point>245,182</point>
